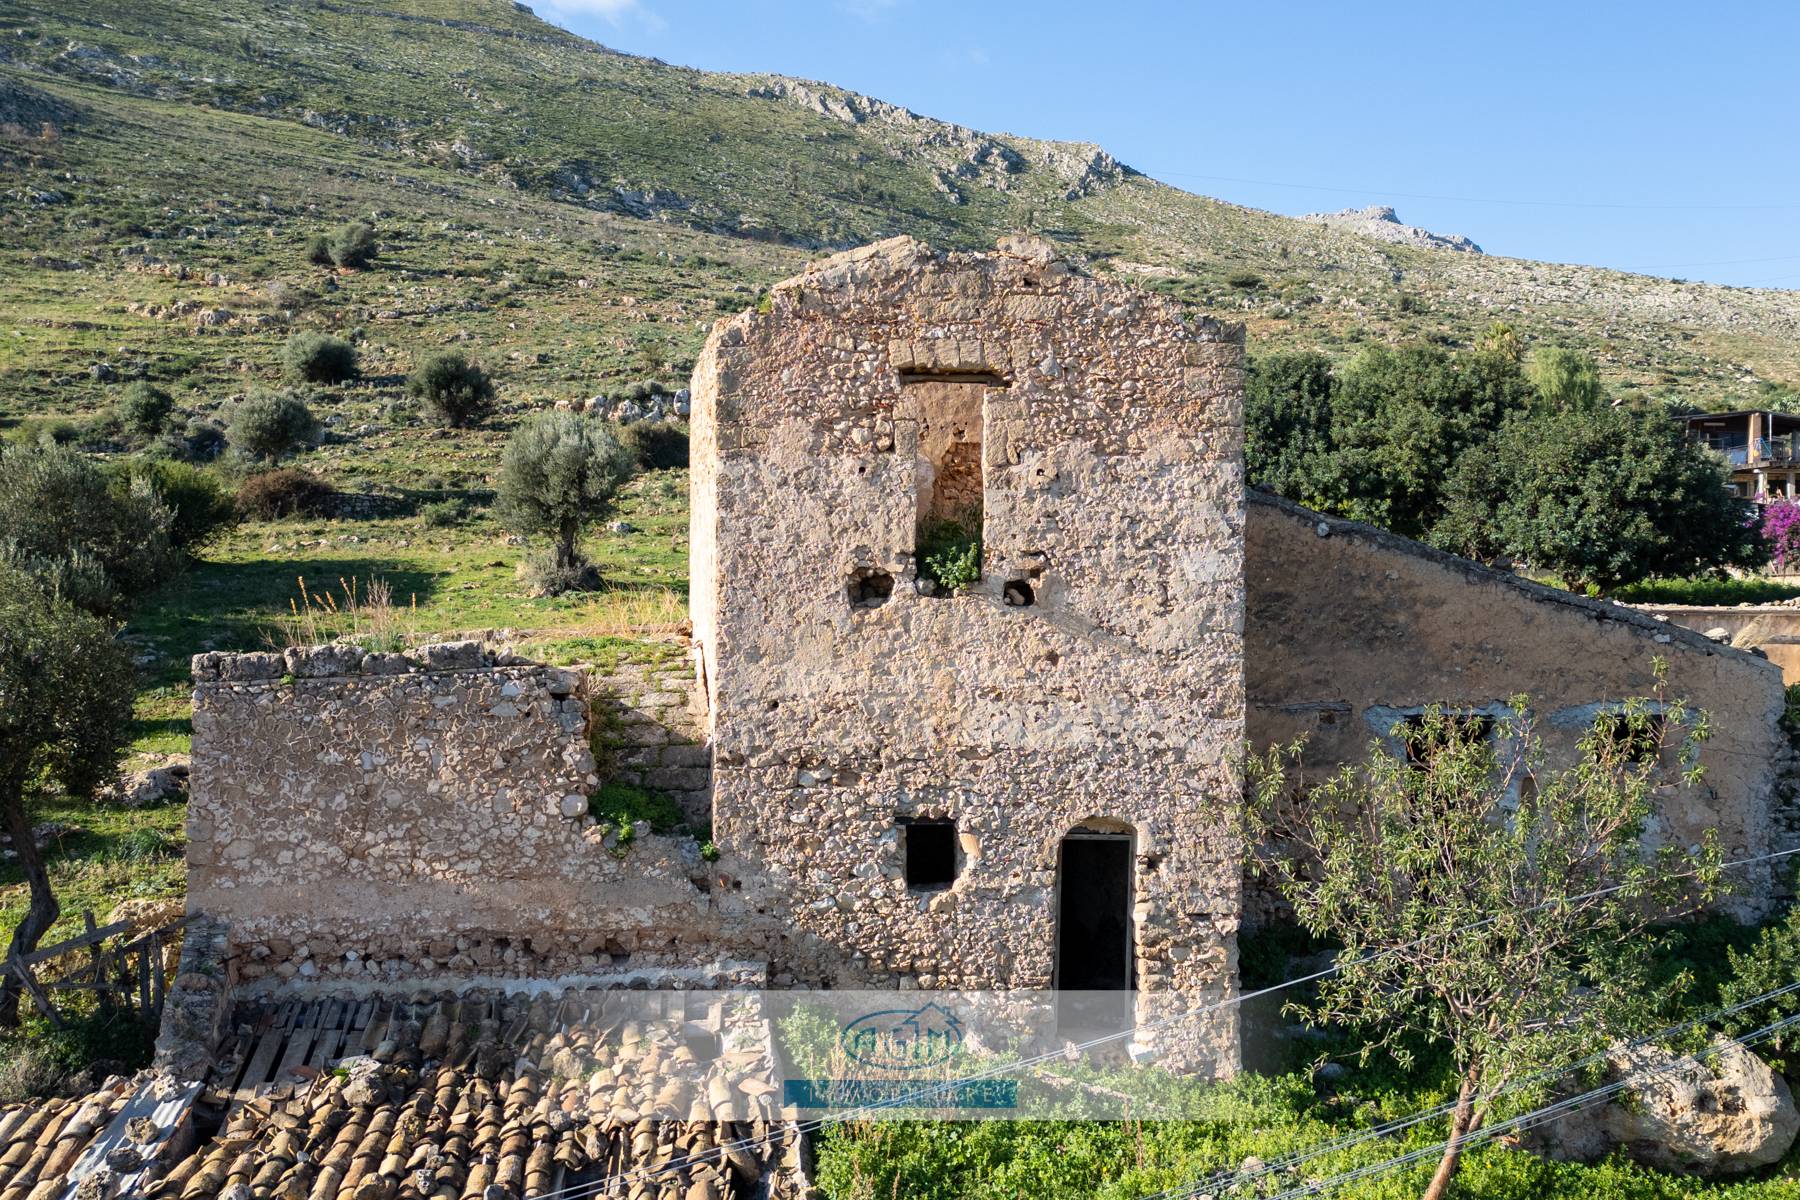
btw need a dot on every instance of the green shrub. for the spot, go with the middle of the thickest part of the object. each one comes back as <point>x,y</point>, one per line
<point>46,431</point>
<point>38,1061</point>
<point>548,575</point>
<point>318,358</point>
<point>200,440</point>
<point>351,244</point>
<point>268,425</point>
<point>623,803</point>
<point>271,495</point>
<point>1244,281</point>
<point>451,389</point>
<point>443,514</point>
<point>950,553</point>
<point>656,445</point>
<point>199,504</point>
<point>99,540</point>
<point>143,411</point>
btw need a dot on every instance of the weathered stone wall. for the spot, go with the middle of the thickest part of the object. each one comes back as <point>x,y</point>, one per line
<point>650,732</point>
<point>1110,449</point>
<point>376,817</point>
<point>1347,627</point>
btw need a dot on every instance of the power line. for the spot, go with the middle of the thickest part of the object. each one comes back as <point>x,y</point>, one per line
<point>1288,1162</point>
<point>928,1091</point>
<point>1377,191</point>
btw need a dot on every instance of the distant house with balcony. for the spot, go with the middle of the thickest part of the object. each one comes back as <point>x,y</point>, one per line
<point>1762,447</point>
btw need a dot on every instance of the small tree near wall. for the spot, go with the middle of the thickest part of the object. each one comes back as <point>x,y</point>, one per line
<point>1460,883</point>
<point>65,706</point>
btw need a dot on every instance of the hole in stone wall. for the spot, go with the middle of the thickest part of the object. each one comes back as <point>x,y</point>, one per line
<point>930,850</point>
<point>1018,593</point>
<point>870,588</point>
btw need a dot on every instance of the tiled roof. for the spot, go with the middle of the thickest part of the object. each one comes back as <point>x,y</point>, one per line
<point>485,1098</point>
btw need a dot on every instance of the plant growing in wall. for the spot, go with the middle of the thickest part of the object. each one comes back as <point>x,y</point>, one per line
<point>950,552</point>
<point>1470,908</point>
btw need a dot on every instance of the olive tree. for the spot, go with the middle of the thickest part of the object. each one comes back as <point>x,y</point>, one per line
<point>1486,903</point>
<point>561,472</point>
<point>99,541</point>
<point>65,706</point>
<point>452,390</point>
<point>268,425</point>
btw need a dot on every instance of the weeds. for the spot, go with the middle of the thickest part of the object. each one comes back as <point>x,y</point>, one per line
<point>367,617</point>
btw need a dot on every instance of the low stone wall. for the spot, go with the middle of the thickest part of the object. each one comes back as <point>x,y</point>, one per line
<point>372,817</point>
<point>1772,630</point>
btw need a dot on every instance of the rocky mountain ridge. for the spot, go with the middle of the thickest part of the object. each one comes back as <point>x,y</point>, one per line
<point>1380,222</point>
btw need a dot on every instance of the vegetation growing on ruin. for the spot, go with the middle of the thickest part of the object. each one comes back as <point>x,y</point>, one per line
<point>949,552</point>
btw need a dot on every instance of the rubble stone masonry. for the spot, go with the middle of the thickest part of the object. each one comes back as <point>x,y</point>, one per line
<point>367,818</point>
<point>1091,681</point>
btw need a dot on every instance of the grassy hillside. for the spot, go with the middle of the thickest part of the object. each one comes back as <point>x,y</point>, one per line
<point>575,218</point>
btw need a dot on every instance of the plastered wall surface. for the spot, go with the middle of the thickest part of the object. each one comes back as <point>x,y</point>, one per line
<point>1348,627</point>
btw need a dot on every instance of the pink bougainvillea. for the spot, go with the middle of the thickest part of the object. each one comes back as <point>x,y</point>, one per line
<point>1781,530</point>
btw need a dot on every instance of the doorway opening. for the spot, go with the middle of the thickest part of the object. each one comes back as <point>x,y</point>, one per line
<point>1095,961</point>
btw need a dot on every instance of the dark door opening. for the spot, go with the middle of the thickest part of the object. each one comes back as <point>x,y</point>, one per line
<point>1093,920</point>
<point>1094,954</point>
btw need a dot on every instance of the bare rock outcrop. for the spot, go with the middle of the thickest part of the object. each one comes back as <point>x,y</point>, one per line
<point>1379,221</point>
<point>1721,1115</point>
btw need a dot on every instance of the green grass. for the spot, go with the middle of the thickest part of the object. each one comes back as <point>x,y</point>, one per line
<point>1274,1111</point>
<point>107,856</point>
<point>1722,592</point>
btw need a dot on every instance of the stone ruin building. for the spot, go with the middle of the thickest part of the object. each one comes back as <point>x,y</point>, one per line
<point>1021,784</point>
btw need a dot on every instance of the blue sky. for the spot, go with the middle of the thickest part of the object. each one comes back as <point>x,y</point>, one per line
<point>1649,136</point>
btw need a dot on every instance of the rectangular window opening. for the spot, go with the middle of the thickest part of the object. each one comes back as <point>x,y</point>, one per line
<point>930,850</point>
<point>1421,744</point>
<point>950,483</point>
<point>1641,746</point>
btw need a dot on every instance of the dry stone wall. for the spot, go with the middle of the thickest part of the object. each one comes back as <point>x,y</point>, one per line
<point>650,732</point>
<point>1090,681</point>
<point>372,817</point>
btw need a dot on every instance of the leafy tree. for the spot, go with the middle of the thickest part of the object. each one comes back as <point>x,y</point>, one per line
<point>560,472</point>
<point>1288,425</point>
<point>1567,379</point>
<point>451,389</point>
<point>351,244</point>
<point>65,706</point>
<point>268,425</point>
<point>199,505</point>
<point>1773,962</point>
<point>1400,420</point>
<point>318,358</point>
<point>1502,339</point>
<point>144,410</point>
<point>96,542</point>
<point>1601,496</point>
<point>1462,885</point>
